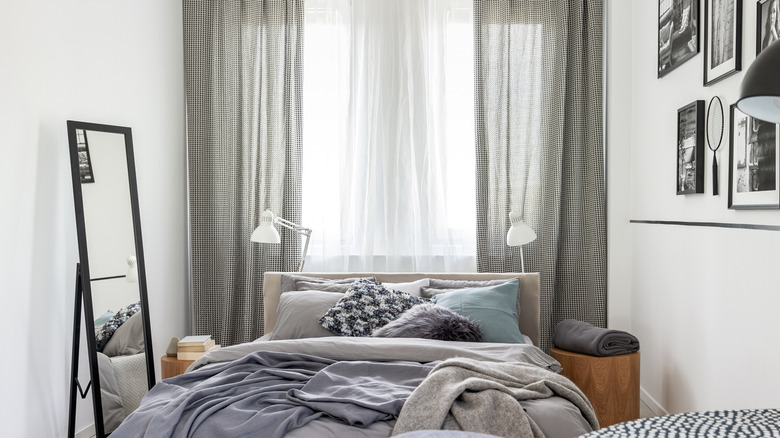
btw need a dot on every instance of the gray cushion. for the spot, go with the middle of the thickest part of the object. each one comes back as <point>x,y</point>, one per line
<point>299,314</point>
<point>410,287</point>
<point>300,282</point>
<point>366,307</point>
<point>430,321</point>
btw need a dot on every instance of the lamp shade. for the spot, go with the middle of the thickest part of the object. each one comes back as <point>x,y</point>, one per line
<point>759,94</point>
<point>132,270</point>
<point>266,231</point>
<point>519,233</point>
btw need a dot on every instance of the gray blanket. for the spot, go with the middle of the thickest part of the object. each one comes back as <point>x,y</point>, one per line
<point>274,393</point>
<point>470,395</point>
<point>581,337</point>
<point>333,387</point>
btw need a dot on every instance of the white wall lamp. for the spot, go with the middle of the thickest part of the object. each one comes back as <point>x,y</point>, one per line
<point>266,232</point>
<point>132,270</point>
<point>519,234</point>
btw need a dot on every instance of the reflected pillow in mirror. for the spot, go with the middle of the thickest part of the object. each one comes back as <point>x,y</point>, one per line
<point>104,333</point>
<point>102,319</point>
<point>127,339</point>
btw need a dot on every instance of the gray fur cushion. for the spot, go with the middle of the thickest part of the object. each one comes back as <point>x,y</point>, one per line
<point>431,321</point>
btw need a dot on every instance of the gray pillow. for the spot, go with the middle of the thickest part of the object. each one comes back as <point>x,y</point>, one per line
<point>431,321</point>
<point>127,339</point>
<point>291,283</point>
<point>435,284</point>
<point>299,312</point>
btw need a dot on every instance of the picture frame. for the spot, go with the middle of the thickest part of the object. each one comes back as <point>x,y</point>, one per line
<point>690,148</point>
<point>85,160</point>
<point>767,23</point>
<point>722,39</point>
<point>754,163</point>
<point>678,33</point>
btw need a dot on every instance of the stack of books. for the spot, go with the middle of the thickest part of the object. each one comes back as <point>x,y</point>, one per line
<point>193,347</point>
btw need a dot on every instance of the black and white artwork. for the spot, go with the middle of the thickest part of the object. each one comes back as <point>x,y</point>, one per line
<point>722,39</point>
<point>767,23</point>
<point>690,148</point>
<point>678,33</point>
<point>753,162</point>
<point>85,161</point>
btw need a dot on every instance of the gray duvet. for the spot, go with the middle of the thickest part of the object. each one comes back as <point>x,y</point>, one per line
<point>346,387</point>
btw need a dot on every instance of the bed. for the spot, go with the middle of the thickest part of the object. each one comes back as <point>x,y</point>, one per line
<point>300,380</point>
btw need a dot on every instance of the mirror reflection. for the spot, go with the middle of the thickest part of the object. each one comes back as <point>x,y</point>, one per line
<point>114,288</point>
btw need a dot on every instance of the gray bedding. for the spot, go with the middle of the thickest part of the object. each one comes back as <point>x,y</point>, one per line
<point>315,387</point>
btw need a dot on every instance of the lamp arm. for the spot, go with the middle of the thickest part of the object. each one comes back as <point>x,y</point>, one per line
<point>292,226</point>
<point>300,230</point>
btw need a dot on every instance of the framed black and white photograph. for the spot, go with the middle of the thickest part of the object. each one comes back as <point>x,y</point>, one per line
<point>85,161</point>
<point>678,33</point>
<point>767,23</point>
<point>722,39</point>
<point>690,148</point>
<point>754,170</point>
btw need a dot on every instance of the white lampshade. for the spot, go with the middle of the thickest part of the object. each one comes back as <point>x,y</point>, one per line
<point>132,270</point>
<point>266,231</point>
<point>519,233</point>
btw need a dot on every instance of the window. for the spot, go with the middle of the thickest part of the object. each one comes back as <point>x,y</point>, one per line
<point>388,142</point>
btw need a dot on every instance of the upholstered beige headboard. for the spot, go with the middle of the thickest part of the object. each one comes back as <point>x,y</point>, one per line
<point>528,292</point>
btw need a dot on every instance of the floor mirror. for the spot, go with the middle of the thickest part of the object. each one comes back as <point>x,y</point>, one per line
<point>110,276</point>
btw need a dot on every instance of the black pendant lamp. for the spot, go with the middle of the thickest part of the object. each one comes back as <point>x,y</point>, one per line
<point>759,94</point>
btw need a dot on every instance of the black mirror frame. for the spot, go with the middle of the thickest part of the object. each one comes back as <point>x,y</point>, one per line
<point>83,277</point>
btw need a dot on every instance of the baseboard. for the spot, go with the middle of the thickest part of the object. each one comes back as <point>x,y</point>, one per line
<point>651,404</point>
<point>87,432</point>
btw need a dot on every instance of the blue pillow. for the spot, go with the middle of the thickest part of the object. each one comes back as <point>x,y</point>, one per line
<point>493,307</point>
<point>102,319</point>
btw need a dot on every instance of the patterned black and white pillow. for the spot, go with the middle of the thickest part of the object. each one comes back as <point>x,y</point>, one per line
<point>104,332</point>
<point>366,306</point>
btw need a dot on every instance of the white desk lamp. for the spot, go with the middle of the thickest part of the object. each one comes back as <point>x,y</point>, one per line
<point>266,232</point>
<point>519,234</point>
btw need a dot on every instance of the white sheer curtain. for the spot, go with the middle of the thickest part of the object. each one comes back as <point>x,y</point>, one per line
<point>388,141</point>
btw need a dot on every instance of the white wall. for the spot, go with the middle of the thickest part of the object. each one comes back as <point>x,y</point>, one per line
<point>91,60</point>
<point>703,301</point>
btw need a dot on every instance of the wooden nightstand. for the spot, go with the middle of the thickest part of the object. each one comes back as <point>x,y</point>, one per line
<point>611,383</point>
<point>171,366</point>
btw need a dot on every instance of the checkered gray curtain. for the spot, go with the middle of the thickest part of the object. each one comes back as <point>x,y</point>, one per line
<point>538,79</point>
<point>244,73</point>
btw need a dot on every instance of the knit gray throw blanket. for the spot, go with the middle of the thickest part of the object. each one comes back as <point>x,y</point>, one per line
<point>481,396</point>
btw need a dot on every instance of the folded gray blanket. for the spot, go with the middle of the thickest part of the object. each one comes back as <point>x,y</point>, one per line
<point>471,395</point>
<point>581,337</point>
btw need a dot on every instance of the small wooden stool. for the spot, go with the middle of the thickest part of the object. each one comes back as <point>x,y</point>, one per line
<point>170,366</point>
<point>611,383</point>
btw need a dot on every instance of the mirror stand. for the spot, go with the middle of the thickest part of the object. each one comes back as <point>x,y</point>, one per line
<point>75,385</point>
